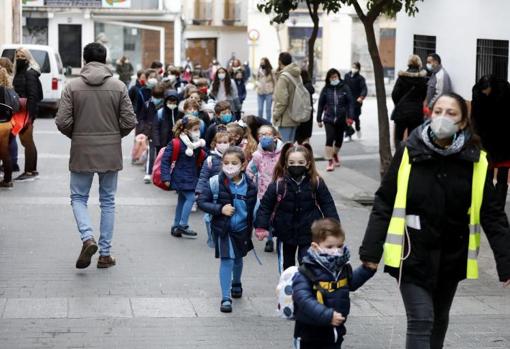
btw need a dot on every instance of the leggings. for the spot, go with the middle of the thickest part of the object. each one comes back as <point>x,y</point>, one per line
<point>287,255</point>
<point>427,314</point>
<point>501,185</point>
<point>335,134</point>
<point>230,273</point>
<point>26,136</point>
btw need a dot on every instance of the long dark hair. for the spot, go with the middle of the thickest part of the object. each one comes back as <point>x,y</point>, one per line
<point>475,139</point>
<point>268,69</point>
<point>330,73</point>
<point>280,169</point>
<point>216,83</point>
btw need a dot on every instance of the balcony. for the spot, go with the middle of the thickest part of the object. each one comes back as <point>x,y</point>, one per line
<point>232,14</point>
<point>203,14</point>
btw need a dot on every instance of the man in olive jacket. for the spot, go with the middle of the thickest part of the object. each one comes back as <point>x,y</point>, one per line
<point>95,112</point>
<point>283,97</point>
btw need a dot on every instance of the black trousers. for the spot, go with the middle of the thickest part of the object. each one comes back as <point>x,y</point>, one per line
<point>501,186</point>
<point>305,345</point>
<point>427,314</point>
<point>400,129</point>
<point>335,134</point>
<point>287,254</point>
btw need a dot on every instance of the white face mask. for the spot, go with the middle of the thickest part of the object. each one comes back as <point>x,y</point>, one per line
<point>334,82</point>
<point>429,66</point>
<point>354,70</point>
<point>195,136</point>
<point>152,82</point>
<point>171,106</point>
<point>221,147</point>
<point>172,78</point>
<point>221,76</point>
<point>443,127</point>
<point>335,251</point>
<point>231,171</point>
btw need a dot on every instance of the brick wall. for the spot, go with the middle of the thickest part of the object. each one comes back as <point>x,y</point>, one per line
<point>150,43</point>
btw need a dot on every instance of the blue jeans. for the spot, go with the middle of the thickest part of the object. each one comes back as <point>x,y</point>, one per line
<point>288,134</point>
<point>268,99</point>
<point>80,188</point>
<point>230,272</point>
<point>185,202</point>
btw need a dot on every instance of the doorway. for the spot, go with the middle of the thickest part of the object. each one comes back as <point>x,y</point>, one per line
<point>201,51</point>
<point>69,44</point>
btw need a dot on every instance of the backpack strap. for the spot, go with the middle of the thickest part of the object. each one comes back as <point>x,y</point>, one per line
<point>209,162</point>
<point>201,158</point>
<point>279,197</point>
<point>160,114</point>
<point>214,184</point>
<point>324,287</point>
<point>314,195</point>
<point>176,149</point>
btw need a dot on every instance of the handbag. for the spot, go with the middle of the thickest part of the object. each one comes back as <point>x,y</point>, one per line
<point>20,119</point>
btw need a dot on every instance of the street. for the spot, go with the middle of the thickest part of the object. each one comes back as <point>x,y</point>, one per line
<point>164,292</point>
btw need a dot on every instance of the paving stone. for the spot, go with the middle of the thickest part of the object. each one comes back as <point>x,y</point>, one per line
<point>35,308</point>
<point>162,307</point>
<point>99,307</point>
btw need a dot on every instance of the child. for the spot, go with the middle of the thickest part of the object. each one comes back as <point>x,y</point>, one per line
<point>293,201</point>
<point>243,138</point>
<point>321,313</point>
<point>230,199</point>
<point>222,116</point>
<point>183,175</point>
<point>261,167</point>
<point>166,118</point>
<point>222,141</point>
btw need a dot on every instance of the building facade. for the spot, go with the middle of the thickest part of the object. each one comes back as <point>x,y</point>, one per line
<point>471,37</point>
<point>142,30</point>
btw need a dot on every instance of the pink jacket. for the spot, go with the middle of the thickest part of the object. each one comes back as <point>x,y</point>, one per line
<point>260,169</point>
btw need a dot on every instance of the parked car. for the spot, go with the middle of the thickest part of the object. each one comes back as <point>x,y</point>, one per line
<point>52,73</point>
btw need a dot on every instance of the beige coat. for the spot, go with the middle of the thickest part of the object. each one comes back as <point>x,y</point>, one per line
<point>283,96</point>
<point>265,83</point>
<point>95,112</point>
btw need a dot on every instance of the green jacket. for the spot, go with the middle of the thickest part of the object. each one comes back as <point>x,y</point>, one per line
<point>283,96</point>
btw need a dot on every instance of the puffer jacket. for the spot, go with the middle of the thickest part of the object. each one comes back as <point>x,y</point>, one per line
<point>336,103</point>
<point>184,176</point>
<point>265,83</point>
<point>300,206</point>
<point>211,167</point>
<point>284,95</point>
<point>27,85</point>
<point>95,112</point>
<point>162,130</point>
<point>313,319</point>
<point>148,118</point>
<point>261,167</point>
<point>408,95</point>
<point>439,194</point>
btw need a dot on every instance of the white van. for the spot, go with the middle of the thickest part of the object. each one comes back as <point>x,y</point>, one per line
<point>52,72</point>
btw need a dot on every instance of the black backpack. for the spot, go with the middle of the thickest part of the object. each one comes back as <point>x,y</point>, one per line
<point>9,104</point>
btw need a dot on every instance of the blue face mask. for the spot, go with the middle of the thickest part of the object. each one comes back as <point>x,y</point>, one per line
<point>226,118</point>
<point>194,113</point>
<point>267,143</point>
<point>157,101</point>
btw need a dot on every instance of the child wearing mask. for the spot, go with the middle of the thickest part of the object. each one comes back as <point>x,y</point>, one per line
<point>166,118</point>
<point>230,198</point>
<point>182,176</point>
<point>222,116</point>
<point>212,166</point>
<point>293,201</point>
<point>321,314</point>
<point>147,118</point>
<point>243,139</point>
<point>261,167</point>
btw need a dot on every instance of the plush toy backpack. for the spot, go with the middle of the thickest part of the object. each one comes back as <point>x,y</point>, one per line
<point>285,308</point>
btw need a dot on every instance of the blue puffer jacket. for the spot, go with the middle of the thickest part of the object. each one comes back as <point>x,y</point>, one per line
<point>313,319</point>
<point>185,173</point>
<point>211,167</point>
<point>337,104</point>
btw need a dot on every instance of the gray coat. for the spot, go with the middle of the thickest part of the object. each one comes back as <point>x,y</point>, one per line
<point>95,112</point>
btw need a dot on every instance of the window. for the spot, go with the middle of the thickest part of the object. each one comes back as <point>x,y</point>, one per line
<point>203,12</point>
<point>41,57</point>
<point>232,11</point>
<point>423,46</point>
<point>492,58</point>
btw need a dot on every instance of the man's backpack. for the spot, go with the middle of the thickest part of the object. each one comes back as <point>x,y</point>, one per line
<point>300,109</point>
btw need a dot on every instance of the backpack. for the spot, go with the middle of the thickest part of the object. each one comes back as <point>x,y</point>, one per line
<point>214,184</point>
<point>176,148</point>
<point>300,109</point>
<point>284,291</point>
<point>9,105</point>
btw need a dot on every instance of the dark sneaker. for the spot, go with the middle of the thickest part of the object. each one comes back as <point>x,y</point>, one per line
<point>226,305</point>
<point>175,233</point>
<point>269,246</point>
<point>87,251</point>
<point>105,262</point>
<point>186,232</point>
<point>237,290</point>
<point>27,176</point>
<point>6,185</point>
<point>15,168</point>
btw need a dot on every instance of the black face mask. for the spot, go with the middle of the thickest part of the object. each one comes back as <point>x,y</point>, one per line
<point>21,64</point>
<point>263,66</point>
<point>297,172</point>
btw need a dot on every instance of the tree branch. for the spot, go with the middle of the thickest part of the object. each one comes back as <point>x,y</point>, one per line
<point>376,10</point>
<point>359,10</point>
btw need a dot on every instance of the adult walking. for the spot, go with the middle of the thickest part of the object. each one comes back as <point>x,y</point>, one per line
<point>95,112</point>
<point>439,82</point>
<point>358,86</point>
<point>336,105</point>
<point>305,129</point>
<point>428,214</point>
<point>490,111</point>
<point>284,95</point>
<point>125,70</point>
<point>224,89</point>
<point>265,87</point>
<point>28,87</point>
<point>408,95</point>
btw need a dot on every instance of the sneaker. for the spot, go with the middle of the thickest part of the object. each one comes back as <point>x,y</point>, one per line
<point>147,179</point>
<point>226,305</point>
<point>194,208</point>
<point>15,168</point>
<point>358,134</point>
<point>175,233</point>
<point>331,166</point>
<point>336,160</point>
<point>106,262</point>
<point>27,176</point>
<point>237,290</point>
<point>88,249</point>
<point>186,232</point>
<point>269,246</point>
<point>6,185</point>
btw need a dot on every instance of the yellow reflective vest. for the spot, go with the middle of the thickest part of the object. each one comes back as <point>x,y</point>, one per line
<point>394,245</point>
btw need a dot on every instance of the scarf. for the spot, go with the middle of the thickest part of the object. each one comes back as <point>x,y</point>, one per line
<point>333,264</point>
<point>191,146</point>
<point>456,146</point>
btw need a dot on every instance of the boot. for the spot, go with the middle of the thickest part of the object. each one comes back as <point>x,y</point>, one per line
<point>331,165</point>
<point>336,159</point>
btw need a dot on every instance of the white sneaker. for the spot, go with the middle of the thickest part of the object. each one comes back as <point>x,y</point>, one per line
<point>194,208</point>
<point>147,179</point>
<point>358,133</point>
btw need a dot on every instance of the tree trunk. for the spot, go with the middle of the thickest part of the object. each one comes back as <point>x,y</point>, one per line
<point>311,41</point>
<point>382,109</point>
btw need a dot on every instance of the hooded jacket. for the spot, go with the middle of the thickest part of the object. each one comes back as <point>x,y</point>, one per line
<point>162,130</point>
<point>408,95</point>
<point>95,112</point>
<point>27,85</point>
<point>337,104</point>
<point>439,195</point>
<point>284,95</point>
<point>261,167</point>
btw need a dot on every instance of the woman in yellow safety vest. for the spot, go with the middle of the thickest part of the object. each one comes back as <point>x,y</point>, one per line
<point>427,217</point>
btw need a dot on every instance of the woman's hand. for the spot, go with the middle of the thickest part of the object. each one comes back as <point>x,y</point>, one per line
<point>507,283</point>
<point>228,210</point>
<point>261,234</point>
<point>167,184</point>
<point>372,266</point>
<point>320,124</point>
